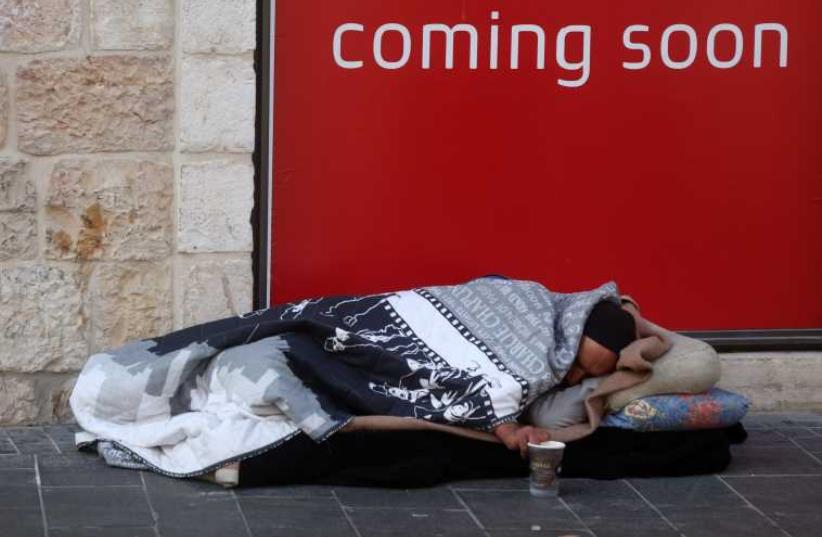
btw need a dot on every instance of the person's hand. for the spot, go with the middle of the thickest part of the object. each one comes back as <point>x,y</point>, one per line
<point>516,437</point>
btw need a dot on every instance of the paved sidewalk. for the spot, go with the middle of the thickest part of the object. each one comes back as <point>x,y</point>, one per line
<point>773,488</point>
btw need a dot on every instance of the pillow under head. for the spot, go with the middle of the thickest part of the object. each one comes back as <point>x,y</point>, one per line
<point>689,366</point>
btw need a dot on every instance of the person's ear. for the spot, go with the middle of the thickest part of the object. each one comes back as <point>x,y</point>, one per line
<point>628,300</point>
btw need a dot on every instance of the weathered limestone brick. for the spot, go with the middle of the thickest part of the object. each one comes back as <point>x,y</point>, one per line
<point>39,26</point>
<point>218,110</point>
<point>18,222</point>
<point>18,402</point>
<point>18,236</point>
<point>4,110</point>
<point>104,103</point>
<point>211,289</point>
<point>215,205</point>
<point>132,24</point>
<point>109,209</point>
<point>35,399</point>
<point>128,301</point>
<point>17,192</point>
<point>223,26</point>
<point>42,327</point>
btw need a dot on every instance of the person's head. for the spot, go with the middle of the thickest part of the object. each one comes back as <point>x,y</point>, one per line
<point>593,360</point>
<point>608,330</point>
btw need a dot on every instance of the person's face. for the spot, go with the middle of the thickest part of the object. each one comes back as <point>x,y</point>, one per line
<point>593,360</point>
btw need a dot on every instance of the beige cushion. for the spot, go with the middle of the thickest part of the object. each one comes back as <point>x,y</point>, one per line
<point>689,366</point>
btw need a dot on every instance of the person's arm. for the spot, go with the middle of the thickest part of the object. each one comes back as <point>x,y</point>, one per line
<point>516,437</point>
<point>561,408</point>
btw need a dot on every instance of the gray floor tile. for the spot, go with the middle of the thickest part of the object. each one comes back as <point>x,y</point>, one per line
<point>802,525</point>
<point>163,486</point>
<point>376,522</point>
<point>766,437</point>
<point>19,497</point>
<point>274,531</point>
<point>812,444</point>
<point>62,432</point>
<point>6,447</point>
<point>696,491</point>
<point>785,419</point>
<point>21,522</point>
<point>295,517</point>
<point>37,448</point>
<point>102,532</point>
<point>804,420</point>
<point>197,532</point>
<point>517,510</point>
<point>192,508</point>
<point>204,531</point>
<point>755,423</point>
<point>638,531</point>
<point>433,498</point>
<point>16,461</point>
<point>17,477</point>
<point>798,432</point>
<point>594,500</point>
<point>26,434</point>
<point>69,507</point>
<point>616,524</point>
<point>513,483</point>
<point>288,491</point>
<point>67,449</point>
<point>72,458</point>
<point>763,417</point>
<point>31,440</point>
<point>750,459</point>
<point>539,532</point>
<point>198,515</point>
<point>721,522</point>
<point>83,470</point>
<point>781,497</point>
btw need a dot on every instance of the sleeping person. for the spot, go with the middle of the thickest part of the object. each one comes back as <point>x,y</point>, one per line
<point>491,359</point>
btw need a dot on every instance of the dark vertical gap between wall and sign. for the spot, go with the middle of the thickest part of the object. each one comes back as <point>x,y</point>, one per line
<point>261,264</point>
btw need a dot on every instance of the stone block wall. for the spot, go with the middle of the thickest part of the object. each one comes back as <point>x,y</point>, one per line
<point>126,181</point>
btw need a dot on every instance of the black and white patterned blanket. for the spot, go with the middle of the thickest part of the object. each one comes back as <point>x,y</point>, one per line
<point>472,355</point>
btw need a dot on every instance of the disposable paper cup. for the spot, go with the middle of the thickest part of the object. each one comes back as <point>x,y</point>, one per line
<point>544,460</point>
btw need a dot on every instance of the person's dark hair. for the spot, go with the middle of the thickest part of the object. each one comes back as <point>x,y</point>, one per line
<point>610,326</point>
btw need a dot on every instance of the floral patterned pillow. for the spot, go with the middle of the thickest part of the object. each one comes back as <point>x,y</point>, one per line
<point>713,409</point>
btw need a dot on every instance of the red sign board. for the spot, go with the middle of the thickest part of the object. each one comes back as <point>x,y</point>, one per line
<point>673,147</point>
